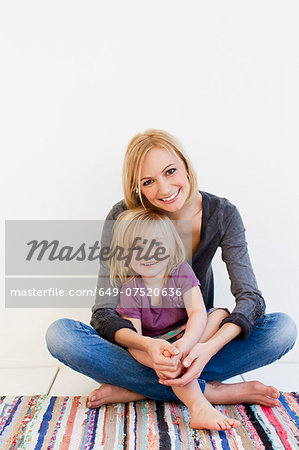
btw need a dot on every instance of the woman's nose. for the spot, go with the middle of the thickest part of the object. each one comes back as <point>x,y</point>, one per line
<point>164,188</point>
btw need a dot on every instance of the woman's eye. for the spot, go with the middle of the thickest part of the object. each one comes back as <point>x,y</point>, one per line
<point>171,171</point>
<point>168,172</point>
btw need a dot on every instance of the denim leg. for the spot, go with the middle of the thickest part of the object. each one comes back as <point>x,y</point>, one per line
<point>79,347</point>
<point>274,335</point>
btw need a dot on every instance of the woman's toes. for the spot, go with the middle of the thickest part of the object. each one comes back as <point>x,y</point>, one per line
<point>275,392</point>
<point>232,423</point>
<point>272,392</point>
<point>274,402</point>
<point>93,395</point>
<point>92,398</point>
<point>95,398</point>
<point>92,404</point>
<point>267,401</point>
<point>225,425</point>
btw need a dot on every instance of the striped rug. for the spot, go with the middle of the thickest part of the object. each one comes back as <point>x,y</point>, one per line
<point>43,422</point>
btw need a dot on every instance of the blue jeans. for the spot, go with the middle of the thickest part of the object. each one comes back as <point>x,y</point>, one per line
<point>79,346</point>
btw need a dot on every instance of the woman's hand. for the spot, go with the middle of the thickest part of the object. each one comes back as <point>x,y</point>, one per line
<point>183,346</point>
<point>196,360</point>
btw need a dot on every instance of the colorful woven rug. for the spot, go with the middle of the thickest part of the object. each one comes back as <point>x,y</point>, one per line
<point>42,422</point>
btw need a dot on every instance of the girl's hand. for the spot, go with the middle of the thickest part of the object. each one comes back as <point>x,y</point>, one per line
<point>195,361</point>
<point>165,374</point>
<point>155,350</point>
<point>184,347</point>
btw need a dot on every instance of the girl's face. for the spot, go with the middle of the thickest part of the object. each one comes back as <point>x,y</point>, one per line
<point>156,261</point>
<point>163,180</point>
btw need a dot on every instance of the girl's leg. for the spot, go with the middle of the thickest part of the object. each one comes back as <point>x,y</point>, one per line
<point>203,415</point>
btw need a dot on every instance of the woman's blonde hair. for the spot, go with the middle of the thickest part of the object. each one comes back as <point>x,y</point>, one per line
<point>134,157</point>
<point>135,223</point>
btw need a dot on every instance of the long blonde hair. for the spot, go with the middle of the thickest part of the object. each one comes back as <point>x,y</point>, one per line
<point>137,149</point>
<point>134,223</point>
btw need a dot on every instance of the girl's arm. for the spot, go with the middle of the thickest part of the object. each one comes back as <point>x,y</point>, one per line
<point>150,351</point>
<point>140,355</point>
<point>197,318</point>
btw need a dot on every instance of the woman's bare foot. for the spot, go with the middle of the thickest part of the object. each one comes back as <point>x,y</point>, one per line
<point>108,393</point>
<point>204,416</point>
<point>253,392</point>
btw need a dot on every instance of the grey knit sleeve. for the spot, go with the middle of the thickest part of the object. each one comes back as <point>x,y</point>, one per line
<point>250,304</point>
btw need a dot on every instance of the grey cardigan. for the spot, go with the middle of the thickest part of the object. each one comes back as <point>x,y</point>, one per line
<point>222,227</point>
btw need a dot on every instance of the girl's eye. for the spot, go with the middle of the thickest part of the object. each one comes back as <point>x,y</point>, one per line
<point>147,182</point>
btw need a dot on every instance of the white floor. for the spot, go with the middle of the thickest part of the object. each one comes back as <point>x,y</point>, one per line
<point>63,381</point>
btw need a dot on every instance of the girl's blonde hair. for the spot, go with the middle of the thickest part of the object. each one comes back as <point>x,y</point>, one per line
<point>135,223</point>
<point>134,157</point>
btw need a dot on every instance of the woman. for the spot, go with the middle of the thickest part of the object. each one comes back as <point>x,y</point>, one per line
<point>158,174</point>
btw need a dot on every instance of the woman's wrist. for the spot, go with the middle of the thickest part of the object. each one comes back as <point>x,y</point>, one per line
<point>185,343</point>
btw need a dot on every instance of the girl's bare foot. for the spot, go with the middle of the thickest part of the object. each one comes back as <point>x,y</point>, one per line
<point>253,392</point>
<point>108,393</point>
<point>204,416</point>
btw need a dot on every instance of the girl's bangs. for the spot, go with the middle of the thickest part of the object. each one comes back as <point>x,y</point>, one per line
<point>144,229</point>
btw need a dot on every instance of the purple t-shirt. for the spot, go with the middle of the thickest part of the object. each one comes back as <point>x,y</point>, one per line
<point>135,301</point>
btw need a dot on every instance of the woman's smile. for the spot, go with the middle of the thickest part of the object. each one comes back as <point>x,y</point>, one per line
<point>171,198</point>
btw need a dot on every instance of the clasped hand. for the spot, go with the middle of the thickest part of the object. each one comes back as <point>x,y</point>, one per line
<point>177,364</point>
<point>166,358</point>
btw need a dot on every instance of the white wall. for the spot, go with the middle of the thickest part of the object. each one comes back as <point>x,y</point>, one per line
<point>79,79</point>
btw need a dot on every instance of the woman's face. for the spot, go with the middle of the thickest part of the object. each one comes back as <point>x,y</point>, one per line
<point>163,180</point>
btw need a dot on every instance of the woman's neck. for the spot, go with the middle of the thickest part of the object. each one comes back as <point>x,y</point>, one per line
<point>188,211</point>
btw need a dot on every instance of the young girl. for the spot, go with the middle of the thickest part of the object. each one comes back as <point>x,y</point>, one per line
<point>160,295</point>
